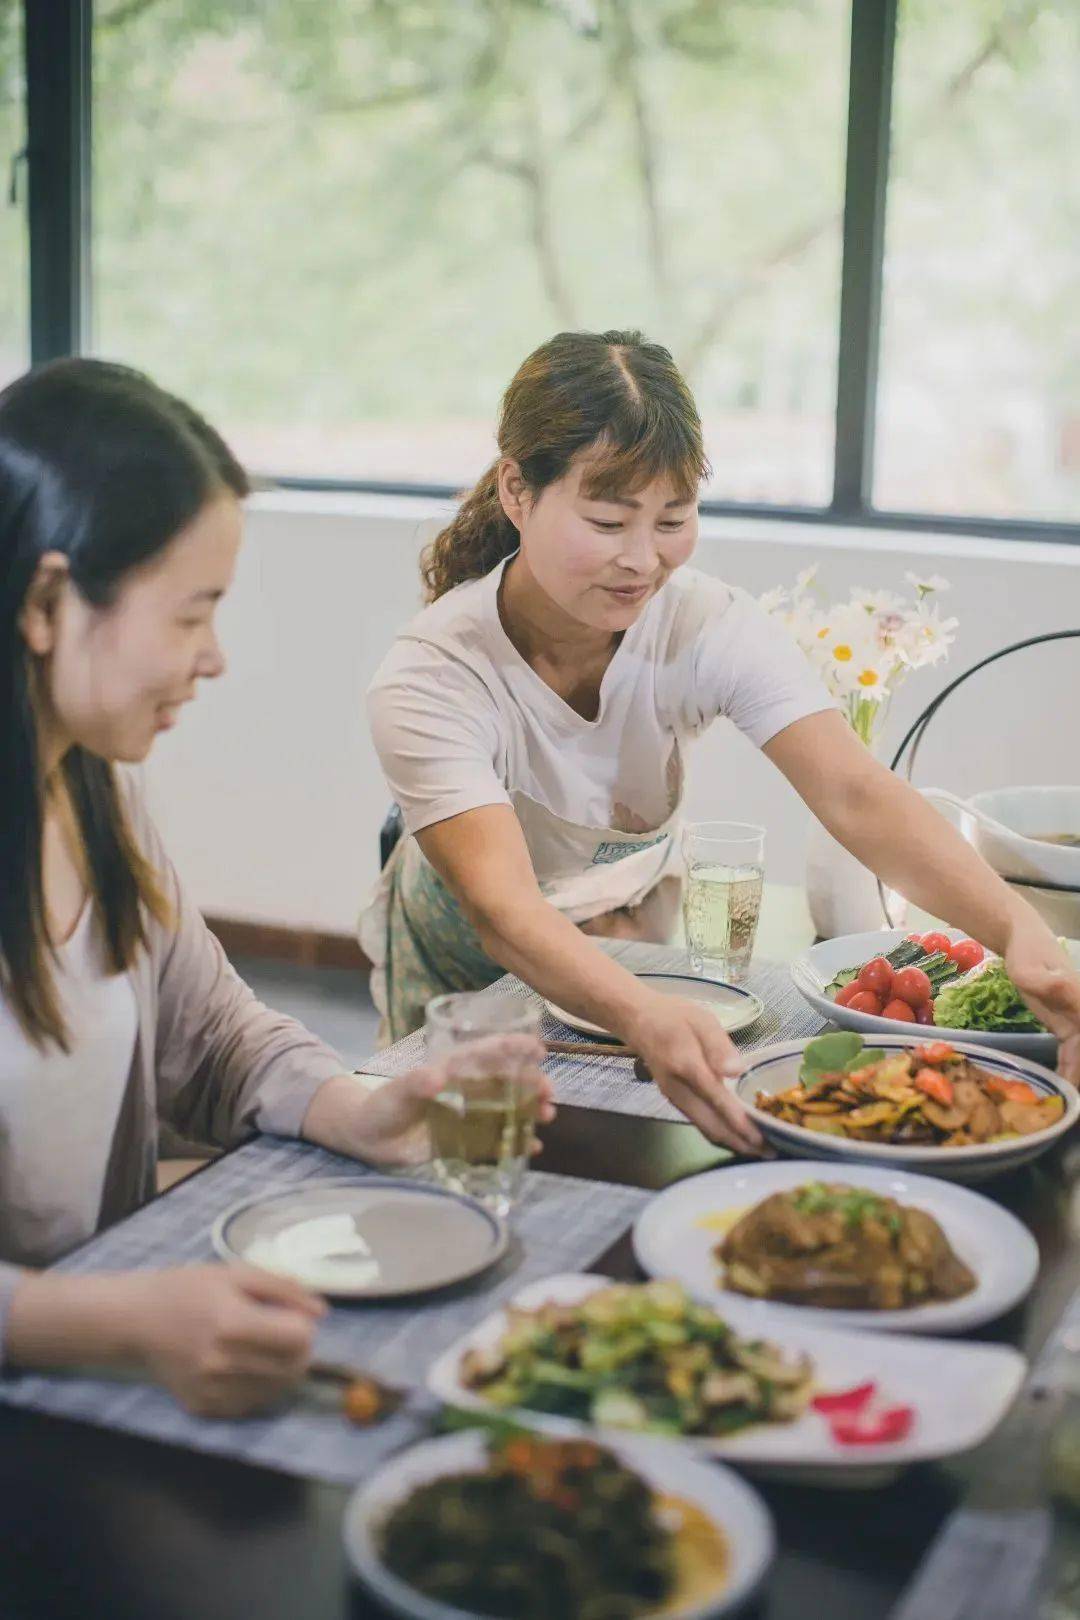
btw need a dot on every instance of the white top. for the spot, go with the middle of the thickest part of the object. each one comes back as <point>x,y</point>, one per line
<point>461,720</point>
<point>58,1110</point>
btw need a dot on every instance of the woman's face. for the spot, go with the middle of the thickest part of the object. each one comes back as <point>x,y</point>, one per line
<point>115,677</point>
<point>602,559</point>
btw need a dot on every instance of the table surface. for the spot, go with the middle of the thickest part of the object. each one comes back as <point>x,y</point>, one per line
<point>96,1521</point>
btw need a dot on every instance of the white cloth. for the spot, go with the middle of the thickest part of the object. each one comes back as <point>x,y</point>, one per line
<point>461,720</point>
<point>58,1110</point>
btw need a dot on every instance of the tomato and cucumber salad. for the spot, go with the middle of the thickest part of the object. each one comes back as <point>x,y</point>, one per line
<point>902,984</point>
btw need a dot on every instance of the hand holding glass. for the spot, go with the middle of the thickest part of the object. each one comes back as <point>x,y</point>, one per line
<point>482,1121</point>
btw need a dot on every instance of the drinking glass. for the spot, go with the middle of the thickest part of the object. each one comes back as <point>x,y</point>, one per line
<point>725,872</point>
<point>482,1121</point>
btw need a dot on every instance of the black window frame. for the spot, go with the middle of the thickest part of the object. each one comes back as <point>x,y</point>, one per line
<point>58,46</point>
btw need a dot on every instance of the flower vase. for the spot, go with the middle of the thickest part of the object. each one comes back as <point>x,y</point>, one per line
<point>841,893</point>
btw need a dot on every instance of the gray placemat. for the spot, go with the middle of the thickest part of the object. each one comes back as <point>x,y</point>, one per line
<point>563,1224</point>
<point>608,1084</point>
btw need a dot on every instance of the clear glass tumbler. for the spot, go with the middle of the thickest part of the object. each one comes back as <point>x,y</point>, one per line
<point>725,873</point>
<point>482,1121</point>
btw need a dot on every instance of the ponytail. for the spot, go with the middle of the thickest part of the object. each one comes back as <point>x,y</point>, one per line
<point>478,537</point>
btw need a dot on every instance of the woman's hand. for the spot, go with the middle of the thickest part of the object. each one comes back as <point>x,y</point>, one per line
<point>226,1340</point>
<point>1044,976</point>
<point>691,1057</point>
<point>387,1125</point>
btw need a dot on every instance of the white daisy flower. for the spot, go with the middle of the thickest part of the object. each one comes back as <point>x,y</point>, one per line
<point>771,600</point>
<point>876,601</point>
<point>805,579</point>
<point>925,584</point>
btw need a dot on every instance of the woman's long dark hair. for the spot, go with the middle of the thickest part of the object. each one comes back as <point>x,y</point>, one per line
<point>98,463</point>
<point>611,393</point>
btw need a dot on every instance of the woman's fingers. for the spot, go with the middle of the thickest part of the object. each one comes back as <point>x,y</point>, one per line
<point>715,1120</point>
<point>273,1289</point>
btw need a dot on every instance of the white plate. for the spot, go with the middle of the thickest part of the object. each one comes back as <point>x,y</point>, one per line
<point>960,1392</point>
<point>729,1502</point>
<point>671,1241</point>
<point>421,1237</point>
<point>818,966</point>
<point>734,1007</point>
<point>776,1068</point>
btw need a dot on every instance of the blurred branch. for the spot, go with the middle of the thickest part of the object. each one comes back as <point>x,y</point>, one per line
<point>532,172</point>
<point>122,14</point>
<point>626,65</point>
<point>735,293</point>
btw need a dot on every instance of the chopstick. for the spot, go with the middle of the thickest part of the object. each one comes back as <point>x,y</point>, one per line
<point>589,1049</point>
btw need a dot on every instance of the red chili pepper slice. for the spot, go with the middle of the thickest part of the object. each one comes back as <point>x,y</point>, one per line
<point>845,1400</point>
<point>873,1428</point>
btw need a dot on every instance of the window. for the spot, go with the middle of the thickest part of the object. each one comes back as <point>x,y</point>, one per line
<point>979,401</point>
<point>339,228</point>
<point>15,278</point>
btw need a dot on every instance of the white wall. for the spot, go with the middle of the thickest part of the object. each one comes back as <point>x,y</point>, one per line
<point>269,793</point>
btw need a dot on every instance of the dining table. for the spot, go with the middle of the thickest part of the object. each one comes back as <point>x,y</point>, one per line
<point>99,1522</point>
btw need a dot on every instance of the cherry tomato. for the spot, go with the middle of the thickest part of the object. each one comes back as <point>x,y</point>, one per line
<point>966,953</point>
<point>877,977</point>
<point>911,985</point>
<point>925,1013</point>
<point>936,942</point>
<point>843,997</point>
<point>866,1002</point>
<point>913,939</point>
<point>899,1010</point>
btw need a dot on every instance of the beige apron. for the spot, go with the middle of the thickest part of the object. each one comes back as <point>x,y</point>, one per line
<point>423,946</point>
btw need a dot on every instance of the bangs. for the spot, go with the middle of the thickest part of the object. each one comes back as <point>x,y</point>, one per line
<point>641,446</point>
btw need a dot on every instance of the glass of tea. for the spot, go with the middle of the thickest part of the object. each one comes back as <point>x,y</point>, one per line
<point>725,873</point>
<point>482,1121</point>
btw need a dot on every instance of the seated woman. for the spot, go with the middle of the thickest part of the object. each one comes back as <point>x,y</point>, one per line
<point>119,528</point>
<point>532,723</point>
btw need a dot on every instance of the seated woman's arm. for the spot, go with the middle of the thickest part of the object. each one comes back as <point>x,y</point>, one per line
<point>892,829</point>
<point>483,858</point>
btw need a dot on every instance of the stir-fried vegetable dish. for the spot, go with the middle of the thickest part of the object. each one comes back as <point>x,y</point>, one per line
<point>549,1529</point>
<point>639,1356</point>
<point>929,1094</point>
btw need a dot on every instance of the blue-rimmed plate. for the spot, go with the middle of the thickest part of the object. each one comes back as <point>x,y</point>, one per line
<point>734,1007</point>
<point>776,1068</point>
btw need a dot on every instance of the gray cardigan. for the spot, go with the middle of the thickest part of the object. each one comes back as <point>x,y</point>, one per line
<point>210,1060</point>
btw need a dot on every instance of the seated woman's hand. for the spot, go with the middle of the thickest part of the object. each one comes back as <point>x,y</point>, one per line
<point>691,1058</point>
<point>387,1124</point>
<point>227,1341</point>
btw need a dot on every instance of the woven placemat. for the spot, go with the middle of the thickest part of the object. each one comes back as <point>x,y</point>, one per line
<point>563,1224</point>
<point>608,1084</point>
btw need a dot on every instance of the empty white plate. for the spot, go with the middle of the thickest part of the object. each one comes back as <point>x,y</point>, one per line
<point>676,1233</point>
<point>734,1007</point>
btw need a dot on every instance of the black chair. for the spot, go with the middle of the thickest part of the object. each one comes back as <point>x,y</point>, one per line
<point>389,834</point>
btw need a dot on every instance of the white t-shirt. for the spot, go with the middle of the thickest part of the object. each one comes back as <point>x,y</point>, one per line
<point>58,1110</point>
<point>461,720</point>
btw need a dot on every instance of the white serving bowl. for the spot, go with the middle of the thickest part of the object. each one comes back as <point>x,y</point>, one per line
<point>1004,825</point>
<point>776,1068</point>
<point>818,966</point>
<point>732,1505</point>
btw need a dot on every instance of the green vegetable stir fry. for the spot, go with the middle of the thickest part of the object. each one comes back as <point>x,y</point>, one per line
<point>639,1356</point>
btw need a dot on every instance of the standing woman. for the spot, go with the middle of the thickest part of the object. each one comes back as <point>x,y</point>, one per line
<point>532,723</point>
<point>119,528</point>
